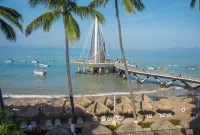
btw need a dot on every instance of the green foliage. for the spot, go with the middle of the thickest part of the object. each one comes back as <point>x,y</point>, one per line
<point>145,124</point>
<point>112,127</point>
<point>36,132</point>
<point>175,121</point>
<point>192,4</point>
<point>9,129</point>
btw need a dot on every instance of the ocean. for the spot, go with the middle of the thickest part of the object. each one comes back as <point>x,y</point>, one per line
<point>18,77</point>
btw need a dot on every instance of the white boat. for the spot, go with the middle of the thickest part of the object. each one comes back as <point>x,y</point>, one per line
<point>169,65</point>
<point>35,61</point>
<point>23,60</point>
<point>8,61</point>
<point>175,65</point>
<point>38,72</point>
<point>43,65</point>
<point>151,68</point>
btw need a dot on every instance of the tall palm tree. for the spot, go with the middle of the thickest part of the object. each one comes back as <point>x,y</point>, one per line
<point>193,2</point>
<point>64,9</point>
<point>10,17</point>
<point>130,6</point>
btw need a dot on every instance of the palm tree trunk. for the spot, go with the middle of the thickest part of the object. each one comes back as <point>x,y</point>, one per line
<point>1,101</point>
<point>199,5</point>
<point>68,74</point>
<point>124,60</point>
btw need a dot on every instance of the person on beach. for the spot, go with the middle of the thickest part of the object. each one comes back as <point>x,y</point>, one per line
<point>30,127</point>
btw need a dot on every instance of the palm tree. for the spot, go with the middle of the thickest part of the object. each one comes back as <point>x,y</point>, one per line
<point>63,9</point>
<point>130,6</point>
<point>192,4</point>
<point>8,17</point>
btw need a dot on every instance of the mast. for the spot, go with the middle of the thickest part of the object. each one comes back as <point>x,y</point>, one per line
<point>96,40</point>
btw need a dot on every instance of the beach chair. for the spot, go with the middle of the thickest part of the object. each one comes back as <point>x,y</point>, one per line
<point>48,123</point>
<point>23,125</point>
<point>109,118</point>
<point>158,114</point>
<point>149,116</point>
<point>189,131</point>
<point>80,120</point>
<point>169,115</point>
<point>95,118</point>
<point>33,123</point>
<point>69,120</point>
<point>162,115</point>
<point>57,122</point>
<point>103,118</point>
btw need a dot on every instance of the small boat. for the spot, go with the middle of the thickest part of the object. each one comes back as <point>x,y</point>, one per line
<point>8,61</point>
<point>43,65</point>
<point>192,68</point>
<point>39,72</point>
<point>23,60</point>
<point>151,68</point>
<point>175,65</point>
<point>169,65</point>
<point>163,68</point>
<point>35,61</point>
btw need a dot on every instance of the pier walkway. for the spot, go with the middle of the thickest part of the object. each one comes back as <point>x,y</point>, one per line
<point>157,75</point>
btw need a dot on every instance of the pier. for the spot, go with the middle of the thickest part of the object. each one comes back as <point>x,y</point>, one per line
<point>173,77</point>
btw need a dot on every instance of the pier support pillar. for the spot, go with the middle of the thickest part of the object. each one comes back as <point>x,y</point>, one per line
<point>163,85</point>
<point>100,70</point>
<point>107,70</point>
<point>92,70</point>
<point>84,70</point>
<point>139,82</point>
<point>79,69</point>
<point>112,69</point>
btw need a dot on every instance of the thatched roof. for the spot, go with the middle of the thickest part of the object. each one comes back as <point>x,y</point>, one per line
<point>162,125</point>
<point>78,110</point>
<point>82,101</point>
<point>98,109</point>
<point>144,106</point>
<point>142,97</point>
<point>41,103</point>
<point>164,104</point>
<point>60,102</point>
<point>50,110</point>
<point>59,131</point>
<point>104,100</point>
<point>96,129</point>
<point>129,127</point>
<point>18,104</point>
<point>124,108</point>
<point>124,99</point>
<point>27,112</point>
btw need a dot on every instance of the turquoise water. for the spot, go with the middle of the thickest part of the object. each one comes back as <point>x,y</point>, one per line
<point>18,78</point>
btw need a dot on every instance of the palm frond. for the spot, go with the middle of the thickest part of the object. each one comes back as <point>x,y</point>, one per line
<point>11,18</point>
<point>72,28</point>
<point>13,13</point>
<point>83,11</point>
<point>129,7</point>
<point>192,4</point>
<point>7,30</point>
<point>138,5</point>
<point>45,21</point>
<point>34,3</point>
<point>98,3</point>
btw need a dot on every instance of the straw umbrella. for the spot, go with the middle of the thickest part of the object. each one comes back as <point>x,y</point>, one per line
<point>104,100</point>
<point>124,108</point>
<point>52,111</point>
<point>98,109</point>
<point>96,129</point>
<point>27,112</point>
<point>164,105</point>
<point>59,131</point>
<point>162,125</point>
<point>142,97</point>
<point>129,128</point>
<point>124,99</point>
<point>82,101</point>
<point>42,103</point>
<point>60,102</point>
<point>144,107</point>
<point>78,110</point>
<point>18,104</point>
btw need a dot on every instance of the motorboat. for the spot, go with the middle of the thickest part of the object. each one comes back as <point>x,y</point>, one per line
<point>35,61</point>
<point>175,65</point>
<point>43,65</point>
<point>23,60</point>
<point>9,61</point>
<point>192,68</point>
<point>151,68</point>
<point>39,72</point>
<point>169,65</point>
<point>163,68</point>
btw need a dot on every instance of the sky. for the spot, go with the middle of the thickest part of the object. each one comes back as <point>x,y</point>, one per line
<point>163,24</point>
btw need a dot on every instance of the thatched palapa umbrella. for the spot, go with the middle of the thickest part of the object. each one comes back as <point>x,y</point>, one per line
<point>59,131</point>
<point>141,98</point>
<point>162,125</point>
<point>82,101</point>
<point>52,111</point>
<point>164,105</point>
<point>129,128</point>
<point>78,110</point>
<point>42,103</point>
<point>104,100</point>
<point>18,104</point>
<point>60,102</point>
<point>144,106</point>
<point>96,129</point>
<point>124,108</point>
<point>98,109</point>
<point>124,99</point>
<point>27,112</point>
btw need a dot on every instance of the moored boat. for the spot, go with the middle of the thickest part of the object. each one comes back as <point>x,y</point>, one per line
<point>151,68</point>
<point>35,61</point>
<point>39,72</point>
<point>43,65</point>
<point>192,68</point>
<point>23,60</point>
<point>163,68</point>
<point>9,61</point>
<point>175,65</point>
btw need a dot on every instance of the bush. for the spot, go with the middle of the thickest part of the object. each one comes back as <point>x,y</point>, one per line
<point>175,121</point>
<point>145,124</point>
<point>112,127</point>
